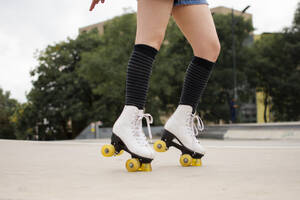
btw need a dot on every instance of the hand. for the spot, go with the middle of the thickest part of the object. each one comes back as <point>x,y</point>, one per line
<point>94,4</point>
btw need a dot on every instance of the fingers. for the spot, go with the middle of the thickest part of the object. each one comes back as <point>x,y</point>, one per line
<point>94,4</point>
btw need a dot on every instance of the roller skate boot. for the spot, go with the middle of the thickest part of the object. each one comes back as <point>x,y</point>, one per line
<point>180,131</point>
<point>128,135</point>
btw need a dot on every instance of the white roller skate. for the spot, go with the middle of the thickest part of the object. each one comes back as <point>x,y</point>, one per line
<point>180,131</point>
<point>128,135</point>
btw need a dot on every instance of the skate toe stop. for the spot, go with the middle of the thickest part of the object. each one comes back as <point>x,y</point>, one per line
<point>146,167</point>
<point>196,162</point>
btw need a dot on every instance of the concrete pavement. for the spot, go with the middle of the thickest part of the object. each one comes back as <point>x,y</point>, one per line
<point>71,170</point>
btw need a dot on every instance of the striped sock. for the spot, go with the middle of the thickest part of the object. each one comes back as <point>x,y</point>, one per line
<point>138,74</point>
<point>195,81</point>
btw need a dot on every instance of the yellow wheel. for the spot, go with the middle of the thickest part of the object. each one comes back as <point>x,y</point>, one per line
<point>185,160</point>
<point>120,153</point>
<point>132,165</point>
<point>146,167</point>
<point>108,150</point>
<point>196,162</point>
<point>160,146</point>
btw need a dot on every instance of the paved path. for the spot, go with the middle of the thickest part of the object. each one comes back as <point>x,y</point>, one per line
<point>75,170</point>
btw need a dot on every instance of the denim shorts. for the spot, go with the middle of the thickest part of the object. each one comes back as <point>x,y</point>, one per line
<point>187,2</point>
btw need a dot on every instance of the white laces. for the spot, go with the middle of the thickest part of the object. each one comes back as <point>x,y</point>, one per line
<point>195,127</point>
<point>139,133</point>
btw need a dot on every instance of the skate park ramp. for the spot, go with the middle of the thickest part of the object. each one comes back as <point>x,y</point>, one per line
<point>75,170</point>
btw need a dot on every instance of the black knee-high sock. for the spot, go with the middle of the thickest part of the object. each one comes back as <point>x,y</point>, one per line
<point>138,74</point>
<point>195,81</point>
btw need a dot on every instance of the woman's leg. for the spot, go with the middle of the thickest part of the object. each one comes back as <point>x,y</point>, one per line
<point>152,20</point>
<point>196,23</point>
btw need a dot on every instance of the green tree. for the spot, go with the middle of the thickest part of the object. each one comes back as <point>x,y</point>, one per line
<point>59,96</point>
<point>105,68</point>
<point>7,108</point>
<point>285,95</point>
<point>24,120</point>
<point>274,69</point>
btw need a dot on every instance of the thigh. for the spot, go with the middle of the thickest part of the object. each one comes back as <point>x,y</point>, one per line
<point>197,25</point>
<point>152,20</point>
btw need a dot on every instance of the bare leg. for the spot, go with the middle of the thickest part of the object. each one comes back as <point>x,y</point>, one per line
<point>152,20</point>
<point>196,23</point>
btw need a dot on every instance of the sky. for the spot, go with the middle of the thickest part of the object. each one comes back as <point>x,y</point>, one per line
<point>31,25</point>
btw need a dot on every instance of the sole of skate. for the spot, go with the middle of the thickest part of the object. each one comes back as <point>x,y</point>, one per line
<point>117,147</point>
<point>187,158</point>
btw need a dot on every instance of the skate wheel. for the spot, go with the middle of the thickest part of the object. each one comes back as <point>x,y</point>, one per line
<point>160,146</point>
<point>120,153</point>
<point>196,162</point>
<point>185,160</point>
<point>132,165</point>
<point>146,167</point>
<point>108,150</point>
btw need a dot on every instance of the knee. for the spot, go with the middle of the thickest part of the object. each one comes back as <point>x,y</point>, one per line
<point>209,49</point>
<point>216,48</point>
<point>154,39</point>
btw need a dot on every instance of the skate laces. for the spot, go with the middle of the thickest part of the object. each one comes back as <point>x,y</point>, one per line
<point>199,126</point>
<point>138,128</point>
<point>195,127</point>
<point>149,120</point>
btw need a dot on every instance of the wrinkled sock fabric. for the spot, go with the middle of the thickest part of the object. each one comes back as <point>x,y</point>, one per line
<point>138,74</point>
<point>195,81</point>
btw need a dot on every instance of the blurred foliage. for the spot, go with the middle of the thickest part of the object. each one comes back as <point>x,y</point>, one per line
<point>104,68</point>
<point>216,98</point>
<point>275,69</point>
<point>24,120</point>
<point>82,80</point>
<point>7,108</point>
<point>59,95</point>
